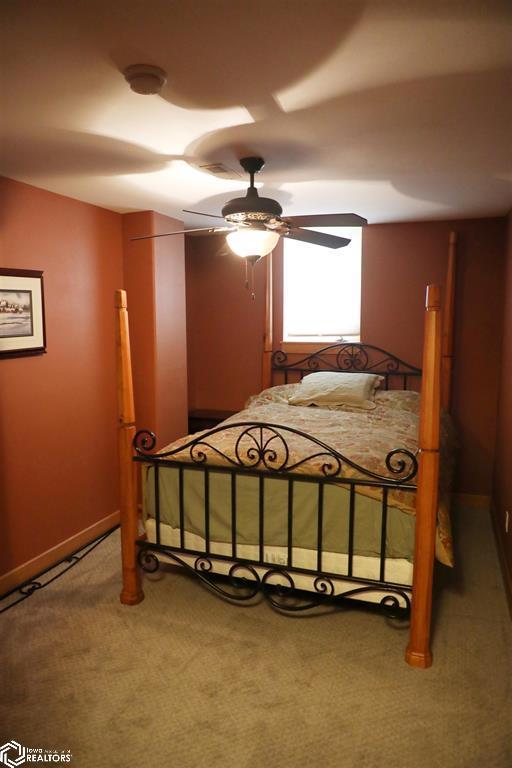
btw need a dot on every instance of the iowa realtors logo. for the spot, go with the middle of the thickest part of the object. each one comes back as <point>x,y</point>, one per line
<point>13,754</point>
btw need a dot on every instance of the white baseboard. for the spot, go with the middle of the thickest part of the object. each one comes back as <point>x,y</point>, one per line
<point>46,559</point>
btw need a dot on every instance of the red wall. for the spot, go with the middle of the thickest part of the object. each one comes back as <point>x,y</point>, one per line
<point>171,331</point>
<point>58,460</point>
<point>58,411</point>
<point>155,286</point>
<point>139,282</point>
<point>398,261</point>
<point>58,463</point>
<point>225,328</point>
<point>502,497</point>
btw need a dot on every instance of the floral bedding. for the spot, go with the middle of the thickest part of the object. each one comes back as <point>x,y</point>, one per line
<point>363,437</point>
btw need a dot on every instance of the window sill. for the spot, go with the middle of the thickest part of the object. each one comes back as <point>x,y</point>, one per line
<point>315,346</point>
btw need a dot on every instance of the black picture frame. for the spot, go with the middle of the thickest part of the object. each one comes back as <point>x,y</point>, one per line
<point>22,317</point>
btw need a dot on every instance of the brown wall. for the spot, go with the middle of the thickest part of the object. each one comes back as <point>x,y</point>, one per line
<point>139,283</point>
<point>171,331</point>
<point>58,465</point>
<point>58,411</point>
<point>155,284</point>
<point>398,262</point>
<point>502,497</point>
<point>225,326</point>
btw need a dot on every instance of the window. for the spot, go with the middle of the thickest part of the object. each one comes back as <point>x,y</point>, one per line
<point>322,289</point>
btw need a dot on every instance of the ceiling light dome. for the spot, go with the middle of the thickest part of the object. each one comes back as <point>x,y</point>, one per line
<point>252,242</point>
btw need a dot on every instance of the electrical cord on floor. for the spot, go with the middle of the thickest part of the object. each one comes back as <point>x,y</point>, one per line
<point>28,587</point>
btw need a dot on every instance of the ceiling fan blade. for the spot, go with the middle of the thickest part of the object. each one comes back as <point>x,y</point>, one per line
<point>210,215</point>
<point>202,230</point>
<point>317,238</point>
<point>213,231</point>
<point>327,220</point>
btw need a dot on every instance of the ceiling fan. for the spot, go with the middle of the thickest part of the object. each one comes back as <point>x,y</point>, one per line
<point>256,223</point>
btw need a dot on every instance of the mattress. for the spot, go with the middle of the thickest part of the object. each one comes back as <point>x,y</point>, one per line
<point>245,544</point>
<point>287,535</point>
<point>364,438</point>
<point>335,524</point>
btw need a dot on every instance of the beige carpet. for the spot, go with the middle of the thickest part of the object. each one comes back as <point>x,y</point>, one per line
<point>184,680</point>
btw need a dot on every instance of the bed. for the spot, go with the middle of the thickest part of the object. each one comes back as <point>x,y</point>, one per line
<point>299,503</point>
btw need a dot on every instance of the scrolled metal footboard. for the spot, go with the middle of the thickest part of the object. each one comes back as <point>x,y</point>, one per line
<point>246,583</point>
<point>261,451</point>
<point>263,446</point>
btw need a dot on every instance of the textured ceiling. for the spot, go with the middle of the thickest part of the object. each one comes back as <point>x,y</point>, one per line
<point>391,109</point>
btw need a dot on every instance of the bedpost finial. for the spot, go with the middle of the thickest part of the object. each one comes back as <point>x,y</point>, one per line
<point>120,299</point>
<point>433,301</point>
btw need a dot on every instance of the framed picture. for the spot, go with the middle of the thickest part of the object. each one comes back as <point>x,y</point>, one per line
<point>22,329</point>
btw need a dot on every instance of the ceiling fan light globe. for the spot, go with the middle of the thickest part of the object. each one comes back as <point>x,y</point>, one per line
<point>252,242</point>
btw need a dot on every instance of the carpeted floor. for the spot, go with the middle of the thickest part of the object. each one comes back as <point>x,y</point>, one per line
<point>184,680</point>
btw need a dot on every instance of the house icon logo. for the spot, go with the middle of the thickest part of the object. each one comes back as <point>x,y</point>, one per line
<point>12,754</point>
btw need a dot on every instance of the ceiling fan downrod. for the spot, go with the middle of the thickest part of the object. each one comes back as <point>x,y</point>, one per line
<point>252,166</point>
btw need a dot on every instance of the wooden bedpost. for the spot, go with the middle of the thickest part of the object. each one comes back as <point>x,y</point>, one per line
<point>266,375</point>
<point>418,652</point>
<point>448,324</point>
<point>132,591</point>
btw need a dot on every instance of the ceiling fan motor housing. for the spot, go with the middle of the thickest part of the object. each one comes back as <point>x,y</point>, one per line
<point>251,208</point>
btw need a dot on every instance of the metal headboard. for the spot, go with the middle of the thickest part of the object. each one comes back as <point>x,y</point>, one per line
<point>346,357</point>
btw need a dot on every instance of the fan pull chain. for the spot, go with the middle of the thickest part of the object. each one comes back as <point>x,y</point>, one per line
<point>253,294</point>
<point>249,280</point>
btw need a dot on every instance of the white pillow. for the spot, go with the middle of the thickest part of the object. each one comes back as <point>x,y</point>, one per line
<point>333,388</point>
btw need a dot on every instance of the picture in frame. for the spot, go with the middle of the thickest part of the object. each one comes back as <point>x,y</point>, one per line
<point>22,328</point>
